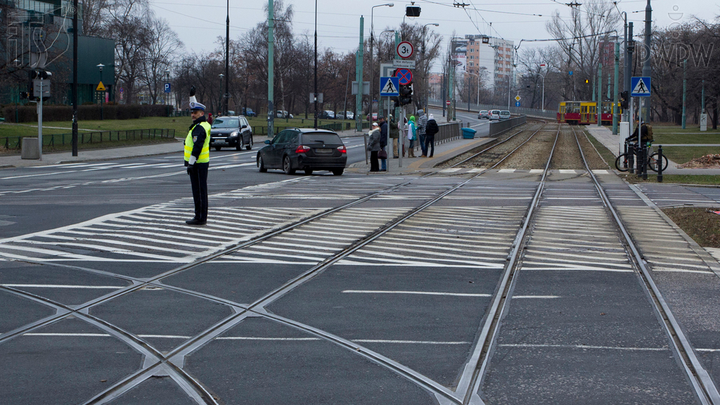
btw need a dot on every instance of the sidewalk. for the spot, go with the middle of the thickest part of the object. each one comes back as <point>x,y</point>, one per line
<point>14,160</point>
<point>443,152</point>
<point>612,142</point>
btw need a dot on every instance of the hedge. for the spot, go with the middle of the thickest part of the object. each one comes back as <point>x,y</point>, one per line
<point>28,113</point>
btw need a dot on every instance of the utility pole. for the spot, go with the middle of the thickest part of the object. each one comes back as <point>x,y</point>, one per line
<point>271,69</point>
<point>615,89</point>
<point>647,68</point>
<point>315,91</point>
<point>599,96</point>
<point>359,78</point>
<point>684,91</point>
<point>227,61</point>
<point>75,79</point>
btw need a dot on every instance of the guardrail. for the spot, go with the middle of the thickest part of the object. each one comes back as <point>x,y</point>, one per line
<point>15,142</point>
<point>448,132</point>
<point>496,128</point>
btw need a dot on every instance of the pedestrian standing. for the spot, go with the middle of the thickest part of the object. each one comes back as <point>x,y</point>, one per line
<point>394,135</point>
<point>432,129</point>
<point>383,144</point>
<point>197,159</point>
<point>421,130</point>
<point>374,147</point>
<point>411,136</point>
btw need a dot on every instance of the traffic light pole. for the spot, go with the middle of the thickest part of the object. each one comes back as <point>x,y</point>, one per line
<point>40,117</point>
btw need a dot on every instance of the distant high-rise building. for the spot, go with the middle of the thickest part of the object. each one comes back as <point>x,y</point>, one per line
<point>495,55</point>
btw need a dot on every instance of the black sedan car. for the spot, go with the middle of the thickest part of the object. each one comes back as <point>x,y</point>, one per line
<point>232,131</point>
<point>304,149</point>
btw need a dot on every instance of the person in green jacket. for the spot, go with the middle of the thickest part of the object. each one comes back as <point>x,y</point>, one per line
<point>412,136</point>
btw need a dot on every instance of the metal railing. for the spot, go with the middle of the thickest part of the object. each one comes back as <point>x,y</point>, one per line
<point>15,142</point>
<point>448,132</point>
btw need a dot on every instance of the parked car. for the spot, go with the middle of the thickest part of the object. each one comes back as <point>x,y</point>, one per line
<point>283,114</point>
<point>349,115</point>
<point>494,115</point>
<point>231,131</point>
<point>484,114</point>
<point>504,115</point>
<point>375,117</point>
<point>248,112</point>
<point>304,149</point>
<point>328,114</point>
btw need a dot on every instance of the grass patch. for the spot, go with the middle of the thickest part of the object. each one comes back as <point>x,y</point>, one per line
<point>702,226</point>
<point>684,154</point>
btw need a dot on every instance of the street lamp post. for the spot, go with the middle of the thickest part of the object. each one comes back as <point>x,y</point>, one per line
<point>226,97</point>
<point>102,96</point>
<point>372,56</point>
<point>221,83</point>
<point>425,67</point>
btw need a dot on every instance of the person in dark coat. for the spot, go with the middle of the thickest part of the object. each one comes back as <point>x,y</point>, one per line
<point>383,143</point>
<point>430,131</point>
<point>374,147</point>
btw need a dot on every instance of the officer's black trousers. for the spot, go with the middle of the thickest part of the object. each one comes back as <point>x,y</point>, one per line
<point>198,179</point>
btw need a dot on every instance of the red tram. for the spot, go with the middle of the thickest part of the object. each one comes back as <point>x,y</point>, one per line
<point>585,112</point>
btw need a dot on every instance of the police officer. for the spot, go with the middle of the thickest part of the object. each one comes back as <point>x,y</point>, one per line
<point>197,159</point>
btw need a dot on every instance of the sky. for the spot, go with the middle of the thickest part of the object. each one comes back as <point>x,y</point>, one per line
<point>198,24</point>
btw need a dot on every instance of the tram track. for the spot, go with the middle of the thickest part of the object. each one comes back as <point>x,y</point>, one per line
<point>171,363</point>
<point>157,361</point>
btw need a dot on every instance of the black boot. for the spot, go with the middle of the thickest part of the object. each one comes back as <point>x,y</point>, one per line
<point>195,221</point>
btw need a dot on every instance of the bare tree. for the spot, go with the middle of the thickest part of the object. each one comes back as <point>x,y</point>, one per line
<point>161,45</point>
<point>94,14</point>
<point>130,27</point>
<point>579,40</point>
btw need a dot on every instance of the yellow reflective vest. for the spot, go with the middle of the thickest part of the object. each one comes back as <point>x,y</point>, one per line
<point>189,143</point>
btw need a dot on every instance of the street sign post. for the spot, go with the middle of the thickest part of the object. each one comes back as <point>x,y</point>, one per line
<point>640,86</point>
<point>167,87</point>
<point>403,63</point>
<point>517,98</point>
<point>405,49</point>
<point>389,86</point>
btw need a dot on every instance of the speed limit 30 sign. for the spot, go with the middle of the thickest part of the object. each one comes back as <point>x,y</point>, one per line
<point>405,49</point>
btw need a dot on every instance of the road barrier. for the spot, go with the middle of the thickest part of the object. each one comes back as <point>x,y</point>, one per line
<point>448,132</point>
<point>498,127</point>
<point>15,142</point>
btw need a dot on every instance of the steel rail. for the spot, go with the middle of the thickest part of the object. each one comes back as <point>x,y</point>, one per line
<point>700,379</point>
<point>176,356</point>
<point>479,360</point>
<point>176,372</point>
<point>496,145</point>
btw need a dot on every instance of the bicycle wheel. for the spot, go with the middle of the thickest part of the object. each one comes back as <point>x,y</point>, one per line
<point>621,163</point>
<point>653,162</point>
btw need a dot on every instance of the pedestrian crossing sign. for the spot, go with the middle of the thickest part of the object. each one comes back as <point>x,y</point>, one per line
<point>100,87</point>
<point>640,86</point>
<point>389,86</point>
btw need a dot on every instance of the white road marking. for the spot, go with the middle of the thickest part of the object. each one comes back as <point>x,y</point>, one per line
<point>89,287</point>
<point>646,349</point>
<point>253,338</point>
<point>415,293</point>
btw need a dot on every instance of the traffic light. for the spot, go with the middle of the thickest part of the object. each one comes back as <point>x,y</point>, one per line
<point>24,95</point>
<point>412,11</point>
<point>624,100</point>
<point>40,74</point>
<point>587,81</point>
<point>405,97</point>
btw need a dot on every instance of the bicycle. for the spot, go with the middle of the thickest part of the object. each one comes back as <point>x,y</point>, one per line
<point>653,160</point>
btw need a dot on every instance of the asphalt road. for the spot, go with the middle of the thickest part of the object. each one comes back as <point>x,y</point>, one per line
<point>376,295</point>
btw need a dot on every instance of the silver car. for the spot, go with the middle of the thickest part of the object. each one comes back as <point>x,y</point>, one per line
<point>484,114</point>
<point>504,115</point>
<point>494,115</point>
